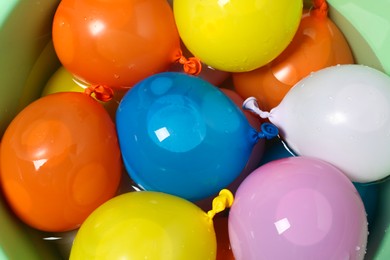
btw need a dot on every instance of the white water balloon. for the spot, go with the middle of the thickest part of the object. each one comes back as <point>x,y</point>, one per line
<point>340,114</point>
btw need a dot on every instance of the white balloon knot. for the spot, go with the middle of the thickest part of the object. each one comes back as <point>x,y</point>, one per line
<point>252,105</point>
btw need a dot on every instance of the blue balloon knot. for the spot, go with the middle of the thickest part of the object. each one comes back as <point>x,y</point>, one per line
<point>268,131</point>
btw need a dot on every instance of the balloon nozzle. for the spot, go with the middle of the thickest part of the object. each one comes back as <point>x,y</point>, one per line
<point>224,200</point>
<point>268,131</point>
<point>191,66</point>
<point>252,105</point>
<point>102,93</point>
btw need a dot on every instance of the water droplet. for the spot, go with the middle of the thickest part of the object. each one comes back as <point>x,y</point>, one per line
<point>357,248</point>
<point>116,76</point>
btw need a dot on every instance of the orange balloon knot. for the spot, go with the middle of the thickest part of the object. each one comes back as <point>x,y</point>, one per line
<point>320,8</point>
<point>102,93</point>
<point>192,65</point>
<point>224,200</point>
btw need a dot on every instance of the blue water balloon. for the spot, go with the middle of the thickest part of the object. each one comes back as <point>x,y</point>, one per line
<point>181,135</point>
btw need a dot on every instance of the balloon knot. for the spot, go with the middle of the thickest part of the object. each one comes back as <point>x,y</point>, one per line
<point>268,131</point>
<point>320,8</point>
<point>251,105</point>
<point>224,200</point>
<point>102,93</point>
<point>192,65</point>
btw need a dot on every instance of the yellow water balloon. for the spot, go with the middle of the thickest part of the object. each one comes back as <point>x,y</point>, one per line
<point>63,81</point>
<point>149,225</point>
<point>237,35</point>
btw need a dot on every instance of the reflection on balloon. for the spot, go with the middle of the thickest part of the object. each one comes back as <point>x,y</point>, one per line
<point>115,43</point>
<point>297,208</point>
<point>60,159</point>
<point>146,225</point>
<point>317,44</point>
<point>181,135</point>
<point>237,36</point>
<point>340,114</point>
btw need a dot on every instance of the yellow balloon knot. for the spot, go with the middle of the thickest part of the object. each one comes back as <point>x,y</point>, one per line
<point>224,200</point>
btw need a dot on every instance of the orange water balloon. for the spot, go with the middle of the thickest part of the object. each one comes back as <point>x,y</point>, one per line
<point>317,44</point>
<point>115,43</point>
<point>60,160</point>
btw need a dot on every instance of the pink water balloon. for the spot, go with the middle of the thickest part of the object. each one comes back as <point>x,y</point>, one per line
<point>297,208</point>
